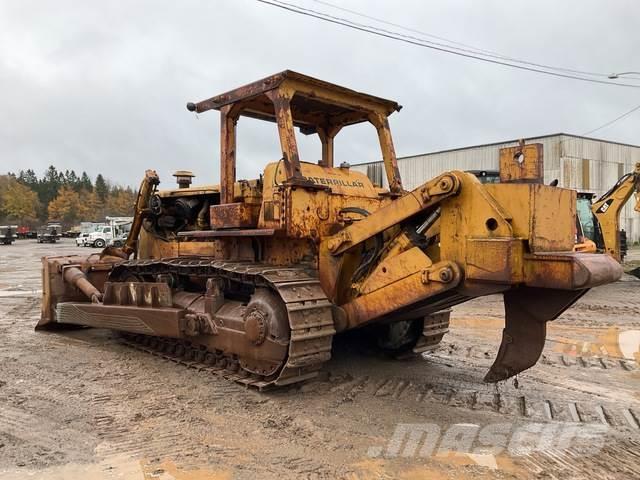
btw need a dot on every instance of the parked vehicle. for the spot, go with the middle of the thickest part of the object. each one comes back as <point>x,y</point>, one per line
<point>99,238</point>
<point>119,240</point>
<point>8,234</point>
<point>73,233</point>
<point>50,233</point>
<point>24,232</point>
<point>81,240</point>
<point>112,234</point>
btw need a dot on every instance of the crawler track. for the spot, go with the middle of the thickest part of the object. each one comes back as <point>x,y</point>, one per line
<point>309,311</point>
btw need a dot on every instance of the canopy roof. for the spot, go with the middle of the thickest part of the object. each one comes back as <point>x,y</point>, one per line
<point>314,103</point>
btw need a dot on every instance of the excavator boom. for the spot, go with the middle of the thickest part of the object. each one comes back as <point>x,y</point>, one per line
<point>608,207</point>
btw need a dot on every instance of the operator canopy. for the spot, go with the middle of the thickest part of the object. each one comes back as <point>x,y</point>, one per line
<point>314,103</point>
<point>291,99</point>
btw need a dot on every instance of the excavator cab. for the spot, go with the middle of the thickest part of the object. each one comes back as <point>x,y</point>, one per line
<point>258,276</point>
<point>607,209</point>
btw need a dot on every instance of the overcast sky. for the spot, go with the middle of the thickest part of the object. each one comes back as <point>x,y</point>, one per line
<point>101,86</point>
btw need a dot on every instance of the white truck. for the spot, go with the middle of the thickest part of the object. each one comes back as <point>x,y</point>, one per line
<point>114,233</point>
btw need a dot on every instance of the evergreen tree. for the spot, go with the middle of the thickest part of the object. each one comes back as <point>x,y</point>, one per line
<point>85,182</point>
<point>49,185</point>
<point>102,189</point>
<point>61,195</point>
<point>71,180</point>
<point>29,179</point>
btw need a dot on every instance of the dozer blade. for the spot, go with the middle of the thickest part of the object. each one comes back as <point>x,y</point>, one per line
<point>527,311</point>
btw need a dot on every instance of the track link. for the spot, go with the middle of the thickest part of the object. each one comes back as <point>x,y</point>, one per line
<point>309,314</point>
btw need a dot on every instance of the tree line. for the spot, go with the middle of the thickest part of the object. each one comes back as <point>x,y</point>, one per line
<point>66,197</point>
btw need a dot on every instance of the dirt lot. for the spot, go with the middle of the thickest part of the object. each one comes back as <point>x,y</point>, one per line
<point>81,404</point>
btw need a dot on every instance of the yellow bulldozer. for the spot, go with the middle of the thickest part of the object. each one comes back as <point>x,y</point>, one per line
<point>256,277</point>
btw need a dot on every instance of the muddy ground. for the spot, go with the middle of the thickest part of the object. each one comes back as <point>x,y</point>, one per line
<point>82,405</point>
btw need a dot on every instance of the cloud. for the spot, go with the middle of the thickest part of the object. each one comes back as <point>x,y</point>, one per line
<point>102,86</point>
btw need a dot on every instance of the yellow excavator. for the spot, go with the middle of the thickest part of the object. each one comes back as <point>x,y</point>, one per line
<point>255,277</point>
<point>599,221</point>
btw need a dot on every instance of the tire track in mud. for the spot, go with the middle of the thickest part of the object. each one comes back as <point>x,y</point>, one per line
<point>39,430</point>
<point>561,360</point>
<point>39,418</point>
<point>592,363</point>
<point>157,418</point>
<point>21,313</point>
<point>536,402</point>
<point>134,405</point>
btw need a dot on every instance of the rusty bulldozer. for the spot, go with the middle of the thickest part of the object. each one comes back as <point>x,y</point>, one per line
<point>256,277</point>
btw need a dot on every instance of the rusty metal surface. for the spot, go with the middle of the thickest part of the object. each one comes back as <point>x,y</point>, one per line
<point>523,163</point>
<point>157,321</point>
<point>570,271</point>
<point>412,290</point>
<point>351,98</point>
<point>56,289</point>
<point>147,188</point>
<point>294,100</point>
<point>425,196</point>
<point>139,294</point>
<point>255,232</point>
<point>289,345</point>
<point>234,215</point>
<point>77,278</point>
<point>527,311</point>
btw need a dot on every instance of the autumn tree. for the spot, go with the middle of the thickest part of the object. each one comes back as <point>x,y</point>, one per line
<point>18,203</point>
<point>66,207</point>
<point>120,202</point>
<point>92,209</point>
<point>64,196</point>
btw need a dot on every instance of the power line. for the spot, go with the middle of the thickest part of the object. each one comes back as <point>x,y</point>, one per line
<point>481,51</point>
<point>452,43</point>
<point>612,121</point>
<point>422,43</point>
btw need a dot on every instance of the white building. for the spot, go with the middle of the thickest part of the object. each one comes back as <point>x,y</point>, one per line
<point>584,164</point>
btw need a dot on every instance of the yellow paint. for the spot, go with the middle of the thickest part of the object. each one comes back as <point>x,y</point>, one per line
<point>612,342</point>
<point>168,470</point>
<point>444,466</point>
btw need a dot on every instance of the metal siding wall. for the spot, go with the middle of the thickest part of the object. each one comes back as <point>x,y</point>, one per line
<point>563,159</point>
